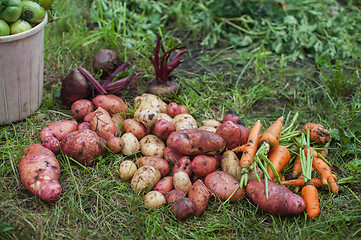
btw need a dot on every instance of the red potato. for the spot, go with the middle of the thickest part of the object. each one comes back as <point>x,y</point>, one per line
<point>183,209</point>
<point>81,108</point>
<point>231,133</point>
<point>222,185</point>
<point>183,165</point>
<point>171,156</point>
<point>194,142</point>
<point>84,125</point>
<point>233,117</point>
<point>244,134</point>
<point>199,194</point>
<point>159,163</point>
<point>163,128</point>
<point>173,109</point>
<point>84,146</point>
<point>52,135</point>
<point>165,185</point>
<point>203,165</point>
<point>111,103</point>
<point>88,117</point>
<point>135,127</point>
<point>174,196</point>
<point>281,201</point>
<point>183,109</point>
<point>40,172</point>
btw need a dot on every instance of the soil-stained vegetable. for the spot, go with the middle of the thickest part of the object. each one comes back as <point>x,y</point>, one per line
<point>231,133</point>
<point>152,145</point>
<point>184,209</point>
<point>106,61</point>
<point>154,199</point>
<point>150,101</point>
<point>145,178</point>
<point>199,194</point>
<point>159,163</point>
<point>134,127</point>
<point>195,142</point>
<point>111,103</point>
<point>164,185</point>
<point>184,121</point>
<point>222,185</point>
<point>131,144</point>
<point>174,196</point>
<point>148,117</point>
<point>173,109</point>
<point>203,165</point>
<point>163,129</point>
<point>74,87</point>
<point>127,170</point>
<point>40,172</point>
<point>230,163</point>
<point>182,181</point>
<point>318,133</point>
<point>183,165</point>
<point>211,123</point>
<point>81,108</point>
<point>52,135</point>
<point>84,146</point>
<point>233,117</point>
<point>171,156</point>
<point>281,201</point>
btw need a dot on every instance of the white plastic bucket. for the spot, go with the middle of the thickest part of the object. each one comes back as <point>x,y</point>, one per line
<point>21,73</point>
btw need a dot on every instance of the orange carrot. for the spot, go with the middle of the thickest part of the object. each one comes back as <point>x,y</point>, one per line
<point>279,157</point>
<point>310,195</point>
<point>272,134</point>
<point>327,177</point>
<point>251,146</point>
<point>318,133</point>
<point>239,148</point>
<point>297,169</point>
<point>324,152</point>
<point>299,182</point>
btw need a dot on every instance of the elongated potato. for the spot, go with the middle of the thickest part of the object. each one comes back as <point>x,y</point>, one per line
<point>152,145</point>
<point>145,178</point>
<point>193,142</point>
<point>131,144</point>
<point>164,185</point>
<point>111,103</point>
<point>40,172</point>
<point>230,163</point>
<point>199,194</point>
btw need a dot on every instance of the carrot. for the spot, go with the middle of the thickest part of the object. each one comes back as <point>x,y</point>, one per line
<point>327,177</point>
<point>279,157</point>
<point>272,134</point>
<point>318,133</point>
<point>297,168</point>
<point>300,182</point>
<point>251,146</point>
<point>324,152</point>
<point>310,195</point>
<point>239,148</point>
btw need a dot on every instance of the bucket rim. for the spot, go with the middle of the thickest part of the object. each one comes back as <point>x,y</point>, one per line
<point>30,32</point>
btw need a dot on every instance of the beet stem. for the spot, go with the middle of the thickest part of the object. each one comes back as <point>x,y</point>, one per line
<point>92,80</point>
<point>110,78</point>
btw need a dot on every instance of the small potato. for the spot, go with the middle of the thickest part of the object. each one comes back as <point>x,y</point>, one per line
<point>184,117</point>
<point>183,209</point>
<point>203,165</point>
<point>171,156</point>
<point>231,133</point>
<point>199,194</point>
<point>84,125</point>
<point>148,117</point>
<point>163,129</point>
<point>159,163</point>
<point>173,109</point>
<point>174,196</point>
<point>230,163</point>
<point>127,170</point>
<point>222,185</point>
<point>232,117</point>
<point>131,144</point>
<point>135,127</point>
<point>211,123</point>
<point>150,101</point>
<point>145,178</point>
<point>154,199</point>
<point>164,185</point>
<point>152,145</point>
<point>81,108</point>
<point>181,125</point>
<point>183,165</point>
<point>165,117</point>
<point>182,181</point>
<point>111,103</point>
<point>208,128</point>
<point>184,109</point>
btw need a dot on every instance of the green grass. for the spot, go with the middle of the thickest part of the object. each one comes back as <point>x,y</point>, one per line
<point>256,82</point>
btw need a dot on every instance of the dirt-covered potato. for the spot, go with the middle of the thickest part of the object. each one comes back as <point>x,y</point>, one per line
<point>145,178</point>
<point>202,165</point>
<point>211,123</point>
<point>111,103</point>
<point>131,144</point>
<point>165,117</point>
<point>183,209</point>
<point>222,185</point>
<point>150,101</point>
<point>127,170</point>
<point>207,128</point>
<point>183,165</point>
<point>84,146</point>
<point>173,109</point>
<point>182,181</point>
<point>193,142</point>
<point>231,133</point>
<point>148,117</point>
<point>232,116</point>
<point>135,127</point>
<point>164,185</point>
<point>159,163</point>
<point>171,156</point>
<point>152,145</point>
<point>184,121</point>
<point>81,108</point>
<point>154,199</point>
<point>230,163</point>
<point>163,129</point>
<point>199,194</point>
<point>174,196</point>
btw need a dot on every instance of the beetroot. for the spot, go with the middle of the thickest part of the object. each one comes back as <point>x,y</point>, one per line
<point>106,61</point>
<point>74,87</point>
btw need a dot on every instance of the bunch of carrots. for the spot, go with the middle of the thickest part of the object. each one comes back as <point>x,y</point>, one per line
<point>275,151</point>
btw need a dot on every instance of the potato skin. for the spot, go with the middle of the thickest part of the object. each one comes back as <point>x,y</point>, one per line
<point>174,196</point>
<point>152,145</point>
<point>84,146</point>
<point>171,156</point>
<point>134,127</point>
<point>150,101</point>
<point>145,178</point>
<point>81,108</point>
<point>159,163</point>
<point>111,103</point>
<point>173,109</point>
<point>131,144</point>
<point>163,128</point>
<point>281,201</point>
<point>183,209</point>
<point>148,117</point>
<point>183,165</point>
<point>222,184</point>
<point>154,199</point>
<point>127,170</point>
<point>199,194</point>
<point>230,163</point>
<point>231,133</point>
<point>203,165</point>
<point>164,185</point>
<point>40,172</point>
<point>182,181</point>
<point>194,142</point>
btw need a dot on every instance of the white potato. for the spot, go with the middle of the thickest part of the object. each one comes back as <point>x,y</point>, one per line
<point>154,199</point>
<point>145,178</point>
<point>207,128</point>
<point>131,144</point>
<point>184,117</point>
<point>152,145</point>
<point>148,117</point>
<point>150,101</point>
<point>230,164</point>
<point>185,124</point>
<point>211,123</point>
<point>182,181</point>
<point>165,116</point>
<point>127,170</point>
